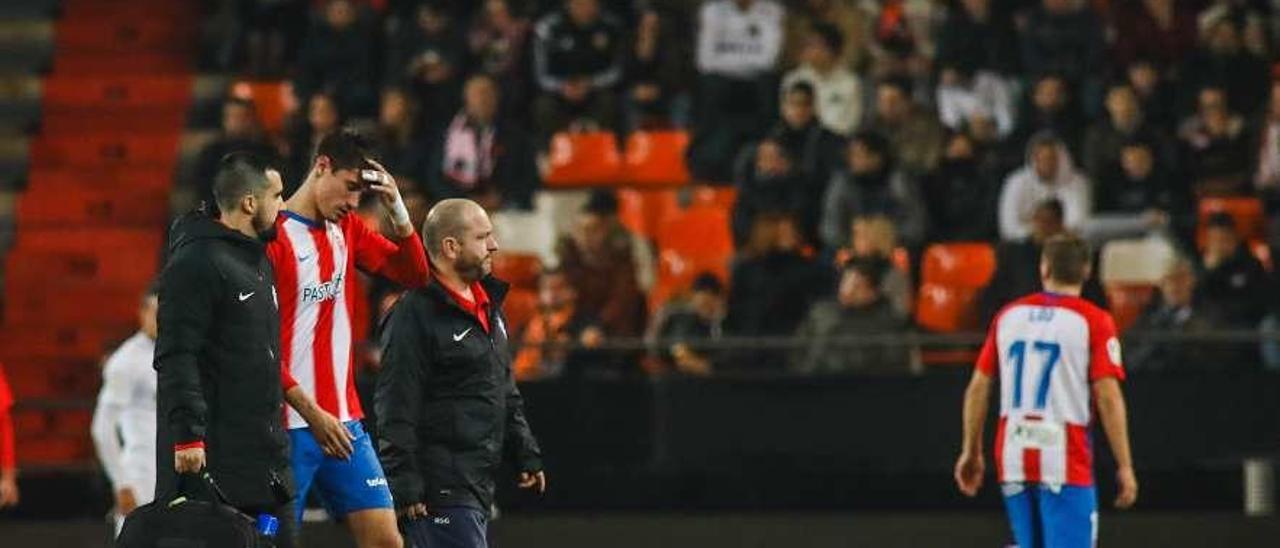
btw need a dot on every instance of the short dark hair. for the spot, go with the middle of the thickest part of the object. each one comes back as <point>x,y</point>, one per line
<point>239,174</point>
<point>873,141</point>
<point>830,35</point>
<point>345,149</point>
<point>708,282</point>
<point>897,82</point>
<point>1220,219</point>
<point>601,202</point>
<point>803,87</point>
<point>1067,258</point>
<point>1054,206</point>
<point>872,270</point>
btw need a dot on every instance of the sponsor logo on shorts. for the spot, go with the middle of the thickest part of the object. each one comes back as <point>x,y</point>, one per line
<point>376,482</point>
<point>440,520</point>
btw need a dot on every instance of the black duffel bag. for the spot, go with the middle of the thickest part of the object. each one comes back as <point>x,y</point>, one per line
<point>178,521</point>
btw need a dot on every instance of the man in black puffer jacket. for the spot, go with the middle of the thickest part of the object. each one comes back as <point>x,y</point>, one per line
<point>448,408</point>
<point>217,351</point>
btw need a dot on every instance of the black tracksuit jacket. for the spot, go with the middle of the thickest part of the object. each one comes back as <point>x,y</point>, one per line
<point>218,362</point>
<point>448,408</point>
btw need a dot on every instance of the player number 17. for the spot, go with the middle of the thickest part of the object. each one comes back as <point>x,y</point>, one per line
<point>1050,351</point>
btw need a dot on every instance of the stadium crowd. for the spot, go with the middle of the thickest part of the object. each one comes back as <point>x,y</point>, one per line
<point>856,133</point>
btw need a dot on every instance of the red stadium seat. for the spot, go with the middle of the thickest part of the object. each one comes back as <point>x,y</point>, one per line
<point>518,269</point>
<point>951,277</point>
<point>1250,220</point>
<point>93,206</point>
<point>98,150</point>
<point>694,241</point>
<point>520,306</point>
<point>583,159</point>
<point>959,264</point>
<point>656,158</point>
<point>642,211</point>
<point>1127,302</point>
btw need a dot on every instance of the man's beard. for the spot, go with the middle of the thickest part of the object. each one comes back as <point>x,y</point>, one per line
<point>266,233</point>
<point>472,270</point>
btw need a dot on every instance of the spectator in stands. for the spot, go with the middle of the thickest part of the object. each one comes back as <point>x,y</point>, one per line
<point>399,140</point>
<point>578,60</point>
<point>497,41</point>
<point>546,346</point>
<point>240,131</point>
<point>682,325</point>
<point>914,133</point>
<point>658,70</point>
<point>1155,93</point>
<point>874,241</point>
<point>872,185</point>
<point>836,90</point>
<point>859,309</point>
<point>846,16</point>
<point>1066,38</point>
<point>1223,61</point>
<point>1266,174</point>
<point>771,286</point>
<point>600,260</point>
<point>1140,197</point>
<point>1173,310</point>
<point>772,182</point>
<point>1234,288</point>
<point>1163,31</point>
<point>1018,263</point>
<point>1215,146</point>
<point>1048,173</point>
<point>739,42</point>
<point>430,57</point>
<point>814,148</point>
<point>901,38</point>
<point>124,418</point>
<point>324,117</point>
<point>1124,123</point>
<point>339,54</point>
<point>974,38</point>
<point>963,95</point>
<point>271,31</point>
<point>1050,109</point>
<point>960,196</point>
<point>481,156</point>
<point>8,459</point>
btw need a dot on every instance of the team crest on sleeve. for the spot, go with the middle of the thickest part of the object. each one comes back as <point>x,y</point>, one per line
<point>1113,350</point>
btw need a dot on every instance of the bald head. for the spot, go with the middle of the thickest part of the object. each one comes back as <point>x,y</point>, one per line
<point>458,235</point>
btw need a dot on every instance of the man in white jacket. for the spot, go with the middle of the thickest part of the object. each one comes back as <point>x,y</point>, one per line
<point>1049,173</point>
<point>124,421</point>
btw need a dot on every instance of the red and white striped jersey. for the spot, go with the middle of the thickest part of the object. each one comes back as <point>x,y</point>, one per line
<point>315,264</point>
<point>1047,350</point>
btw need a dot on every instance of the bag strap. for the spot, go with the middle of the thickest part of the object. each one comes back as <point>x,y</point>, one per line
<point>183,486</point>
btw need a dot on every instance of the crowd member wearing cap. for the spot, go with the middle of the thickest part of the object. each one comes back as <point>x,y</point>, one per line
<point>320,245</point>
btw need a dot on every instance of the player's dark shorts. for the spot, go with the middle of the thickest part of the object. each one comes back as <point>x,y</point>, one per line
<point>1042,517</point>
<point>346,486</point>
<point>448,527</point>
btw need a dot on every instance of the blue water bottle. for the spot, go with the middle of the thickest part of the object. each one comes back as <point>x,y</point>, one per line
<point>268,525</point>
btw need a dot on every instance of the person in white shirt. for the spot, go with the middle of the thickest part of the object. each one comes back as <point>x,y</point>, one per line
<point>1048,173</point>
<point>838,89</point>
<point>124,421</point>
<point>961,96</point>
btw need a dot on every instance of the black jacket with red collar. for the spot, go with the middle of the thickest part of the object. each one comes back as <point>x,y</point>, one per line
<point>448,407</point>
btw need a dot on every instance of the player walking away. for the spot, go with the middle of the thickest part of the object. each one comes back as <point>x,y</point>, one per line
<point>1057,357</point>
<point>124,421</point>
<point>320,243</point>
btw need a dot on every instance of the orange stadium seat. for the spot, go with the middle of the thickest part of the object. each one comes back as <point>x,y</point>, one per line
<point>108,63</point>
<point>642,211</point>
<point>95,150</point>
<point>272,99</point>
<point>61,91</point>
<point>583,159</point>
<point>1250,220</point>
<point>93,206</point>
<point>656,158</point>
<point>694,241</point>
<point>518,269</point>
<point>1127,302</point>
<point>951,277</point>
<point>520,306</point>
